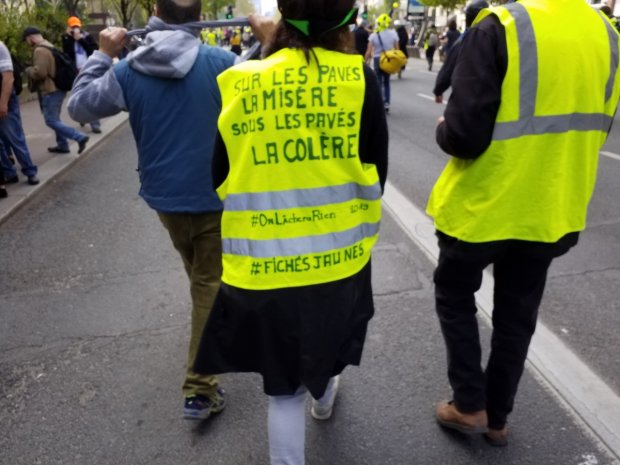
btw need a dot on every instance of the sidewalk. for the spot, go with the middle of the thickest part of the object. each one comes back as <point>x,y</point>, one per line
<point>39,137</point>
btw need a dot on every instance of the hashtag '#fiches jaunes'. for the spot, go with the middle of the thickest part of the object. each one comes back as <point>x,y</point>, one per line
<point>254,220</point>
<point>255,268</point>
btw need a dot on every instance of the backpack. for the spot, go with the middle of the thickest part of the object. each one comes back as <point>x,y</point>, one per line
<point>66,72</point>
<point>18,70</point>
<point>433,39</point>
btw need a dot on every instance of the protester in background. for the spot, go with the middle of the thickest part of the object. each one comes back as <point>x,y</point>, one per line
<point>403,40</point>
<point>12,135</point>
<point>451,36</point>
<point>444,77</point>
<point>521,149</point>
<point>211,38</point>
<point>173,104</point>
<point>361,34</point>
<point>78,45</point>
<point>384,39</point>
<point>431,41</point>
<point>41,72</point>
<point>296,298</point>
<point>235,43</point>
<point>246,37</point>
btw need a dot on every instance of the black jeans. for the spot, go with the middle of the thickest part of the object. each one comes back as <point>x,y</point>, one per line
<point>520,272</point>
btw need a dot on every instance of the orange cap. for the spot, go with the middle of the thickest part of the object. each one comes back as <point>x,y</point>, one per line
<point>74,21</point>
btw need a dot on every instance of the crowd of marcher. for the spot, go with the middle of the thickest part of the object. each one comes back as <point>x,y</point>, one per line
<point>235,38</point>
<point>275,214</point>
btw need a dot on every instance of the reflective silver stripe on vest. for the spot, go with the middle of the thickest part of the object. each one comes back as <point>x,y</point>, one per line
<point>299,245</point>
<point>528,60</point>
<point>299,198</point>
<point>538,125</point>
<point>528,124</point>
<point>613,45</point>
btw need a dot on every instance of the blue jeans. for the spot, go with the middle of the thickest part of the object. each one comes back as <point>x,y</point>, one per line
<point>384,80</point>
<point>12,138</point>
<point>50,106</point>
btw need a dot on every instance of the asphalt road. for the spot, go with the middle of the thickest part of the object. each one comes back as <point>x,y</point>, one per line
<point>94,320</point>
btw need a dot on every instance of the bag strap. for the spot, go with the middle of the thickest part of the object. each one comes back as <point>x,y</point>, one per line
<point>380,41</point>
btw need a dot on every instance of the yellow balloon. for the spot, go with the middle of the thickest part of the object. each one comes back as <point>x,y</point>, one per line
<point>395,5</point>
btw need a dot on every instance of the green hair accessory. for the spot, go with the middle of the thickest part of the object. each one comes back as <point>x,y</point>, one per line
<point>316,27</point>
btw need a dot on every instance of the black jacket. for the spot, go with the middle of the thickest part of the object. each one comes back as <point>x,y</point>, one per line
<point>87,42</point>
<point>444,76</point>
<point>479,71</point>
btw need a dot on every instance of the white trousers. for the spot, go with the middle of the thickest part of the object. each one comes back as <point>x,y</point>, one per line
<point>286,425</point>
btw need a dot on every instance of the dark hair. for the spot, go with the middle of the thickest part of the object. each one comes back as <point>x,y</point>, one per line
<point>472,9</point>
<point>452,24</point>
<point>607,10</point>
<point>178,11</point>
<point>288,36</point>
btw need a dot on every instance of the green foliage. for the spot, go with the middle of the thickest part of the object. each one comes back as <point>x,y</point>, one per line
<point>213,8</point>
<point>445,4</point>
<point>125,10</point>
<point>49,20</point>
<point>148,7</point>
<point>244,7</point>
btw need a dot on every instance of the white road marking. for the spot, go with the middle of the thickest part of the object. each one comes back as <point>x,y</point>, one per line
<point>610,155</point>
<point>430,97</point>
<point>577,385</point>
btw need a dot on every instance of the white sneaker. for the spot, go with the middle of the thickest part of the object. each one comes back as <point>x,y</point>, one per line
<point>322,408</point>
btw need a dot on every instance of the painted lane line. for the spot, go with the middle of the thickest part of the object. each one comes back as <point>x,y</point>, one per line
<point>610,155</point>
<point>576,384</point>
<point>430,97</point>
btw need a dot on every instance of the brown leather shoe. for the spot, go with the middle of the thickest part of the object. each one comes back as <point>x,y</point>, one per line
<point>497,437</point>
<point>448,416</point>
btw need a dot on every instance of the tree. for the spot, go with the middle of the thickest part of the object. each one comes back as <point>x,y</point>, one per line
<point>212,8</point>
<point>148,6</point>
<point>71,6</point>
<point>445,4</point>
<point>125,10</point>
<point>245,7</point>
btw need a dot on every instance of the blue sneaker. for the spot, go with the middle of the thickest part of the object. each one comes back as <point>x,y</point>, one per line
<point>200,407</point>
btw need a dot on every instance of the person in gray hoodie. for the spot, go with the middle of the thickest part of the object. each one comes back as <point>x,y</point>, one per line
<point>169,88</point>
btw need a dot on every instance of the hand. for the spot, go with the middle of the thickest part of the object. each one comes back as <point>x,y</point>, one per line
<point>438,98</point>
<point>440,120</point>
<point>263,27</point>
<point>112,41</point>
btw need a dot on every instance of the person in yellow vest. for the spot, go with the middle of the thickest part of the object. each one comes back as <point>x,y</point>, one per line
<point>300,164</point>
<point>235,43</point>
<point>531,106</point>
<point>211,38</point>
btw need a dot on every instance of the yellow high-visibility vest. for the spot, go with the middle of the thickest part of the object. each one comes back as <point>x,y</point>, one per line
<point>300,208</point>
<point>211,39</point>
<point>558,98</point>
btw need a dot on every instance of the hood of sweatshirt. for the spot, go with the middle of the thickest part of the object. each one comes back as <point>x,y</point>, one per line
<point>169,50</point>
